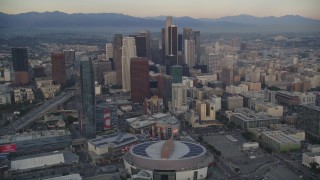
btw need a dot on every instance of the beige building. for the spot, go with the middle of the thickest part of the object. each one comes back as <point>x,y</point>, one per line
<point>254,86</point>
<point>23,95</point>
<point>206,110</point>
<point>242,88</point>
<point>234,102</point>
<point>279,141</point>
<point>49,91</point>
<point>43,82</point>
<point>291,131</point>
<point>270,108</point>
<point>110,78</point>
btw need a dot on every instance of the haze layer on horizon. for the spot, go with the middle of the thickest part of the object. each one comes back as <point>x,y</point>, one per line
<point>193,8</point>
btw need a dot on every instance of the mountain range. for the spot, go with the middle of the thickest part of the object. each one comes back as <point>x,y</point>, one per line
<point>289,23</point>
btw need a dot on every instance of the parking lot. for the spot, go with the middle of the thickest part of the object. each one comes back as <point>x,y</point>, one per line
<point>234,156</point>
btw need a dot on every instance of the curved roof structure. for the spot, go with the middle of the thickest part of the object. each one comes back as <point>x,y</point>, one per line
<point>168,155</point>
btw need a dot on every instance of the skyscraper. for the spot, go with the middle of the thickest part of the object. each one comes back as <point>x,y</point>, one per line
<point>88,97</point>
<point>141,45</point>
<point>176,72</point>
<point>168,24</point>
<point>69,57</point>
<point>179,95</point>
<point>187,34</point>
<point>212,62</point>
<point>189,53</point>
<point>117,53</point>
<point>172,57</point>
<point>20,59</point>
<point>155,51</point>
<point>109,51</point>
<point>197,39</point>
<point>173,40</point>
<point>180,43</point>
<point>58,68</point>
<point>148,42</point>
<point>128,52</point>
<point>20,65</point>
<point>227,76</point>
<point>139,70</point>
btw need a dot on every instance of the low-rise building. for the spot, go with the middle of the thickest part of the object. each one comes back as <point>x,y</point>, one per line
<point>44,81</point>
<point>279,141</point>
<point>270,108</point>
<point>49,91</point>
<point>246,118</point>
<point>5,98</point>
<point>47,162</point>
<point>113,144</point>
<point>242,88</point>
<point>23,95</point>
<point>250,145</point>
<point>39,141</point>
<point>310,157</point>
<point>161,126</point>
<point>234,102</point>
<point>291,131</point>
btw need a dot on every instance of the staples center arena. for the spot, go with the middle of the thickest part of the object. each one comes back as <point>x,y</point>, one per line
<point>172,160</point>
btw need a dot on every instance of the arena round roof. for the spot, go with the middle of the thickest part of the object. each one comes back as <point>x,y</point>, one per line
<point>167,155</point>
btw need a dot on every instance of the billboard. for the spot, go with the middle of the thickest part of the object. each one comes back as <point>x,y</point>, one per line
<point>8,148</point>
<point>106,119</point>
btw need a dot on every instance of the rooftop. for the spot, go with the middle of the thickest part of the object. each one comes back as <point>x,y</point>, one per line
<point>146,120</point>
<point>43,159</point>
<point>280,137</point>
<point>33,135</point>
<point>115,140</point>
<point>247,114</point>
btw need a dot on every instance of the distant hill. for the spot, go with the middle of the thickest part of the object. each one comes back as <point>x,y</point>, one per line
<point>241,23</point>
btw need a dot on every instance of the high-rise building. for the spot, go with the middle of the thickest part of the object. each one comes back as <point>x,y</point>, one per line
<point>155,51</point>
<point>139,70</point>
<point>212,62</point>
<point>20,65</point>
<point>148,42</point>
<point>309,119</point>
<point>128,52</point>
<point>163,46</point>
<point>187,34</point>
<point>197,39</point>
<point>117,55</point>
<point>179,95</point>
<point>167,41</point>
<point>141,45</point>
<point>189,53</point>
<point>180,43</point>
<point>88,123</point>
<point>69,57</point>
<point>172,58</point>
<point>173,40</point>
<point>58,68</point>
<point>20,59</point>
<point>104,67</point>
<point>227,76</point>
<point>109,51</point>
<point>176,72</point>
<point>106,117</point>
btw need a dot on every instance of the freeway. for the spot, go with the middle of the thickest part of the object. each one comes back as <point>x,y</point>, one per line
<point>35,113</point>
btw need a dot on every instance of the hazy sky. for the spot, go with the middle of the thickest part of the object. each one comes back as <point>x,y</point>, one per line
<point>193,8</point>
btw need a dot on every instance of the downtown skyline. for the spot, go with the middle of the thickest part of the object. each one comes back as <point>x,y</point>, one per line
<point>146,8</point>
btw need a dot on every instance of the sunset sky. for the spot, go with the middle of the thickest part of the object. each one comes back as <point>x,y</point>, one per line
<point>193,8</point>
